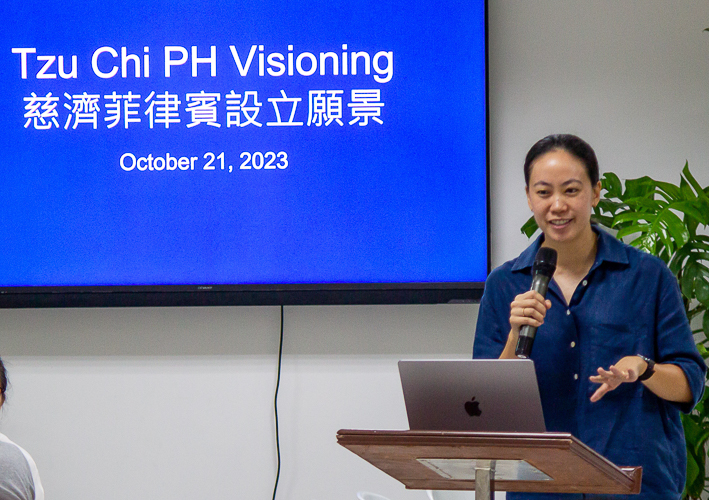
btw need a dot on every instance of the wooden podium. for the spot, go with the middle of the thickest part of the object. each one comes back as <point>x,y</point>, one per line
<point>488,461</point>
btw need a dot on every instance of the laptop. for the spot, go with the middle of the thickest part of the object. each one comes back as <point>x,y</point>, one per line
<point>499,395</point>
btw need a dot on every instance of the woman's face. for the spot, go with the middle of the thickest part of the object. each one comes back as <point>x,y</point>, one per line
<point>561,196</point>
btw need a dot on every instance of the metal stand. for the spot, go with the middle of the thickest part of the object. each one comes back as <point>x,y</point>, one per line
<point>484,479</point>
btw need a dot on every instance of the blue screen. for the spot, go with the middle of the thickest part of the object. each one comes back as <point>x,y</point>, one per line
<point>247,143</point>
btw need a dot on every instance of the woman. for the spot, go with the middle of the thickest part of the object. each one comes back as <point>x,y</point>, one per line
<point>19,479</point>
<point>614,354</point>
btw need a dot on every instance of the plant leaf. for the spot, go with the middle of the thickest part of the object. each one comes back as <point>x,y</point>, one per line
<point>672,192</point>
<point>694,210</point>
<point>611,206</point>
<point>693,251</point>
<point>529,227</point>
<point>633,229</point>
<point>675,226</point>
<point>635,188</point>
<point>611,183</point>
<point>634,217</point>
<point>692,225</point>
<point>687,281</point>
<point>687,192</point>
<point>701,290</point>
<point>695,477</point>
<point>647,243</point>
<point>694,274</point>
<point>645,201</point>
<point>648,204</point>
<point>693,182</point>
<point>603,220</point>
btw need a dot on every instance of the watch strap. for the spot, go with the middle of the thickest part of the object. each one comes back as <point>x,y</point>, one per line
<point>649,371</point>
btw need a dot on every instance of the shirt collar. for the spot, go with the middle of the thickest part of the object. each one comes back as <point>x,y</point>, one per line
<point>526,258</point>
<point>610,249</point>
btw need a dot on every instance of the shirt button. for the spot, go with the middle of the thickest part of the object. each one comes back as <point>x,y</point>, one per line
<point>573,344</point>
<point>576,376</point>
<point>584,282</point>
<point>568,312</point>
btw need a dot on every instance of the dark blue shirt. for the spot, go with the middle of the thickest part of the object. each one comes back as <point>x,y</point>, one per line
<point>628,304</point>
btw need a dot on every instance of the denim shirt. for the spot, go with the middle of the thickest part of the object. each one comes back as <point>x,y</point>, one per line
<point>628,304</point>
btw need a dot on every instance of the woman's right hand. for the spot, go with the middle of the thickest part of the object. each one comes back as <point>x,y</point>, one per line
<point>527,308</point>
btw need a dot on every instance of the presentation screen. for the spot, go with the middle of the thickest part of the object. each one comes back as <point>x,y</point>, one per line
<point>227,152</point>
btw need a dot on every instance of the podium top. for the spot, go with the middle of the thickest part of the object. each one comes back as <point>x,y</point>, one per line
<point>434,460</point>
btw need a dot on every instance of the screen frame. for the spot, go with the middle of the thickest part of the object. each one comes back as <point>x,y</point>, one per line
<point>268,294</point>
<point>207,295</point>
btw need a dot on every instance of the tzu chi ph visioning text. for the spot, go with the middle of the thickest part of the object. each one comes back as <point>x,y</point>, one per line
<point>107,62</point>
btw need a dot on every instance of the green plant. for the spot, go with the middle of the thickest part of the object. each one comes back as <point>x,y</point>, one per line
<point>669,221</point>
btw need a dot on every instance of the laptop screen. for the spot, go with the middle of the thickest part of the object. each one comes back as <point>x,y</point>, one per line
<point>472,395</point>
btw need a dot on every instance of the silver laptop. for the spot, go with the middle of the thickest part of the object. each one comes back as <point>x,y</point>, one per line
<point>498,395</point>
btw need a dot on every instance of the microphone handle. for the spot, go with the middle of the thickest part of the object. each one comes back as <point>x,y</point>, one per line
<point>540,284</point>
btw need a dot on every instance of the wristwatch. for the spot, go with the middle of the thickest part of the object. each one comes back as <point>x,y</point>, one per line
<point>649,371</point>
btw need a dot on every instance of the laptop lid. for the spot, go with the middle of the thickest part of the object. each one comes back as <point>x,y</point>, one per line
<point>499,395</point>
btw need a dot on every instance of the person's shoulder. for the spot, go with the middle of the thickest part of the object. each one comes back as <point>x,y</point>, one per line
<point>12,458</point>
<point>641,257</point>
<point>523,262</point>
<point>637,258</point>
<point>504,271</point>
<point>8,446</point>
<point>506,280</point>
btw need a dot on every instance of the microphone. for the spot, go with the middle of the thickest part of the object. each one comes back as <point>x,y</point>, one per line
<point>542,271</point>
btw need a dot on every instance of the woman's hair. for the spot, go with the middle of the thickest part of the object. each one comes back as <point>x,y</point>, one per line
<point>3,382</point>
<point>564,142</point>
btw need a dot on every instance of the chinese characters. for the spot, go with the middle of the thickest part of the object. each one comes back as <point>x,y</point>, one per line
<point>320,108</point>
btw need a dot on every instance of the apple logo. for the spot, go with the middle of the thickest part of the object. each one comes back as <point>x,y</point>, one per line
<point>472,407</point>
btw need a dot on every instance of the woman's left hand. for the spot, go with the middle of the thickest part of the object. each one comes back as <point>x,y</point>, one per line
<point>628,369</point>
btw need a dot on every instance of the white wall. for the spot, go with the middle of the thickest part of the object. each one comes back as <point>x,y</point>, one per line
<point>177,403</point>
<point>628,76</point>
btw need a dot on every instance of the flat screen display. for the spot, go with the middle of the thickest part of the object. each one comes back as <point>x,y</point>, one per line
<point>199,152</point>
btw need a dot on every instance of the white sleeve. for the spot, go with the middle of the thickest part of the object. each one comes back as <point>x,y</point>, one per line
<point>38,489</point>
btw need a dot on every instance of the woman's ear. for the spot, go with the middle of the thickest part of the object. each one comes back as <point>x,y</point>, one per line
<point>529,201</point>
<point>596,194</point>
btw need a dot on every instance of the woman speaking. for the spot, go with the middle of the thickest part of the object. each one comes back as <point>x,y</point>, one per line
<point>614,353</point>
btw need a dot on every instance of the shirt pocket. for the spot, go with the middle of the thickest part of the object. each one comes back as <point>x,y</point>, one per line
<point>609,342</point>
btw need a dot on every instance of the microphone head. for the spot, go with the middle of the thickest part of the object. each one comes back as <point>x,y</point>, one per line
<point>545,262</point>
